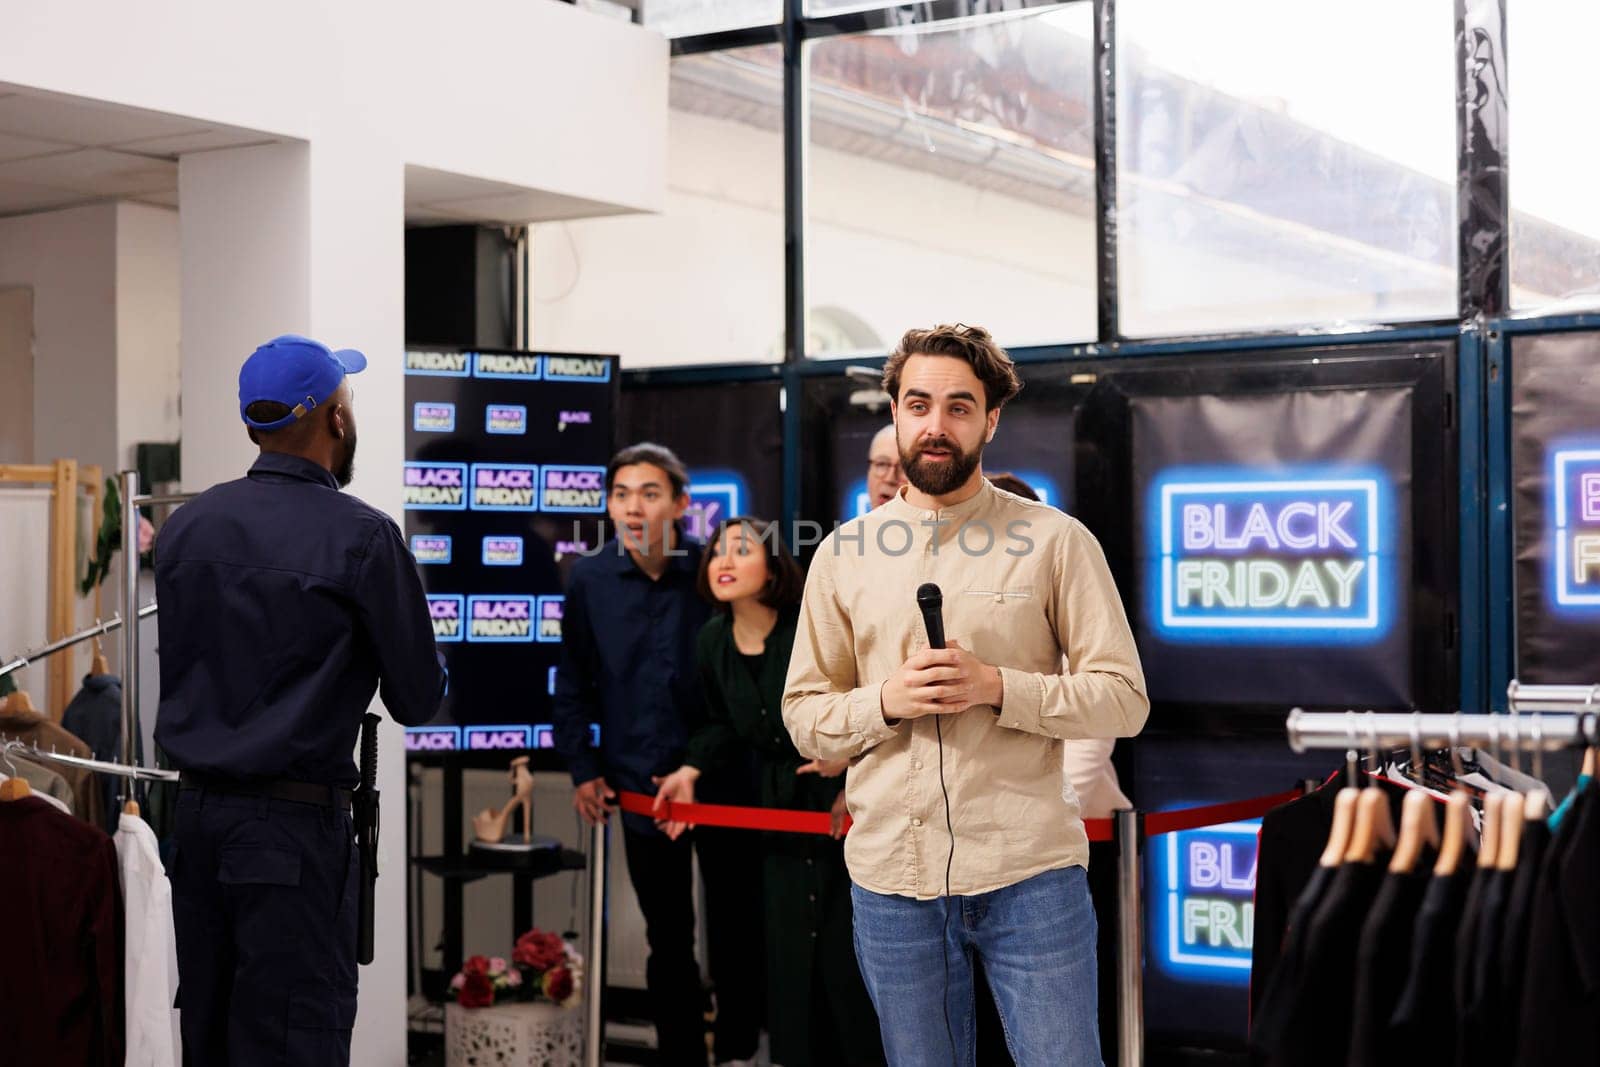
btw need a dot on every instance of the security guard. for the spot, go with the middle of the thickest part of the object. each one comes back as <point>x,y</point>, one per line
<point>284,604</point>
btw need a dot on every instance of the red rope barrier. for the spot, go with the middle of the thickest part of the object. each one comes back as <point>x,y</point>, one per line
<point>820,822</point>
<point>732,817</point>
<point>1166,822</point>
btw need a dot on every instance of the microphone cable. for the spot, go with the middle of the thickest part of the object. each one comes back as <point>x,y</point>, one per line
<point>944,940</point>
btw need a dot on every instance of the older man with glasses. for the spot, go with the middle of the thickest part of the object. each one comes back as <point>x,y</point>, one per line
<point>884,474</point>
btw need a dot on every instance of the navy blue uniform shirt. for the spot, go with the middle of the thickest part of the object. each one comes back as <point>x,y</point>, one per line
<point>627,662</point>
<point>283,602</point>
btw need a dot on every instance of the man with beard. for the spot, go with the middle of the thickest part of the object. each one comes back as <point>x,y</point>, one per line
<point>284,605</point>
<point>964,843</point>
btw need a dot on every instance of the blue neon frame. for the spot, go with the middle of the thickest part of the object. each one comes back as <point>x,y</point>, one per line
<point>533,619</point>
<point>553,509</point>
<point>449,549</point>
<point>472,482</point>
<point>1361,485</point>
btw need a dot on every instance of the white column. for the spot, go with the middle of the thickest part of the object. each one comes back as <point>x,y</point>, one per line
<point>245,222</point>
<point>297,238</point>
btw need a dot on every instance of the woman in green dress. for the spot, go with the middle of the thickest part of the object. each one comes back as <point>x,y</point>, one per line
<point>818,1012</point>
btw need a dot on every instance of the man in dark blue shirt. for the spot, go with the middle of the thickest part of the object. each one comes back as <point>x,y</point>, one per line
<point>284,605</point>
<point>631,619</point>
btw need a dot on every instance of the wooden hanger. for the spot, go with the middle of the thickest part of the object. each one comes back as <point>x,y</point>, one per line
<point>99,665</point>
<point>1537,804</point>
<point>1489,846</point>
<point>1457,830</point>
<point>1344,812</point>
<point>1511,823</point>
<point>1454,842</point>
<point>16,787</point>
<point>1374,827</point>
<point>19,706</point>
<point>1344,821</point>
<point>130,807</point>
<point>1418,827</point>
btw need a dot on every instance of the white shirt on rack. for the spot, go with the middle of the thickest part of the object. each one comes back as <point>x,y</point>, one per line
<point>150,956</point>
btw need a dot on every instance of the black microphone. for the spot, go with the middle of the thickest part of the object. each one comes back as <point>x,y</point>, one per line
<point>931,601</point>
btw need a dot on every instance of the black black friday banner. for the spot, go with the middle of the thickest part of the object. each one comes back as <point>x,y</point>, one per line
<point>1555,470</point>
<point>504,489</point>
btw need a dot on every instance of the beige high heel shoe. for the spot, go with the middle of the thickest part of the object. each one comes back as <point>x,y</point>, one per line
<point>490,825</point>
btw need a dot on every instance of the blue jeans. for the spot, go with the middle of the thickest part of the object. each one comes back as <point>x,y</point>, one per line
<point>1037,943</point>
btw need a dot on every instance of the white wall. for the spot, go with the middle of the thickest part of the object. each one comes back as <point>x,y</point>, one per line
<point>535,94</point>
<point>246,278</point>
<point>147,327</point>
<point>104,283</point>
<point>68,259</point>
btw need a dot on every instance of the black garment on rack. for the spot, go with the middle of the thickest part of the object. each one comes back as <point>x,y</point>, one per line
<point>1560,1018</point>
<point>1424,1015</point>
<point>1381,956</point>
<point>1319,1023</point>
<point>1426,1010</point>
<point>1466,950</point>
<point>1270,1020</point>
<point>1479,1013</point>
<point>1514,936</point>
<point>1291,841</point>
<point>94,716</point>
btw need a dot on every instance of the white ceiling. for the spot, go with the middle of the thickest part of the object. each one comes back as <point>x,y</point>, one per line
<point>58,151</point>
<point>436,197</point>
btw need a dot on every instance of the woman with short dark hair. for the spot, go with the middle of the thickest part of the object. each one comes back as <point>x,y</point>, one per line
<point>817,1006</point>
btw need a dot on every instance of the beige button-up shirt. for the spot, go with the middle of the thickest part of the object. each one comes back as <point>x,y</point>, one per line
<point>1040,591</point>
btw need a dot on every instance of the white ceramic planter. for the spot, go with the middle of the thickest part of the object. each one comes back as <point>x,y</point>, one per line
<point>533,1033</point>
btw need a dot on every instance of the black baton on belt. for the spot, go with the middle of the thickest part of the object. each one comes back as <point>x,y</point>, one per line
<point>364,808</point>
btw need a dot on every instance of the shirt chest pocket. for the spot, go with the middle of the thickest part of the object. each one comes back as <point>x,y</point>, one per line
<point>997,593</point>
<point>990,613</point>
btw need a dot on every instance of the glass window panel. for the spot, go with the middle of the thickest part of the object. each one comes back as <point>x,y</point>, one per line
<point>686,18</point>
<point>1555,215</point>
<point>702,282</point>
<point>951,178</point>
<point>838,7</point>
<point>1277,171</point>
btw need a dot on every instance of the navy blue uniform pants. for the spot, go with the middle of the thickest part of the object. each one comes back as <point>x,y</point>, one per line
<point>264,898</point>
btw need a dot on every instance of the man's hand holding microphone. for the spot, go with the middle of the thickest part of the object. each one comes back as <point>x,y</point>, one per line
<point>943,678</point>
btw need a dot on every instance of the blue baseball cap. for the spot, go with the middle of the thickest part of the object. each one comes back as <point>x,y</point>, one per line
<point>297,372</point>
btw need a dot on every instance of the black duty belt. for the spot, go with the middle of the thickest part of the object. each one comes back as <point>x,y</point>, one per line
<point>327,796</point>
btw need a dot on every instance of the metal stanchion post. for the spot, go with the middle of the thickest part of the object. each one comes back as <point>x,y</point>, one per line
<point>595,1025</point>
<point>1128,827</point>
<point>130,623</point>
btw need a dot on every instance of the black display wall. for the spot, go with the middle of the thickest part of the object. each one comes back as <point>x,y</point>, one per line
<point>1555,464</point>
<point>730,437</point>
<point>504,489</point>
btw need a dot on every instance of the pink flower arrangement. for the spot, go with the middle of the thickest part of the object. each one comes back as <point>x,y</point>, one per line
<point>543,965</point>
